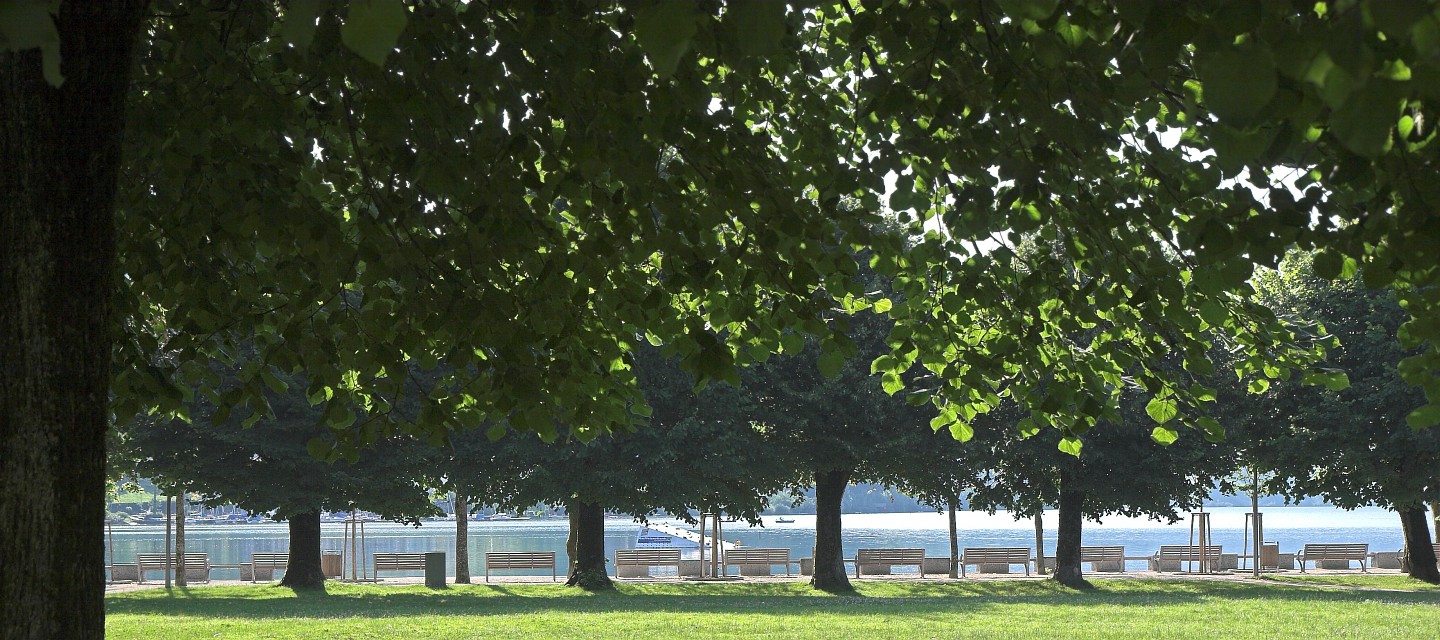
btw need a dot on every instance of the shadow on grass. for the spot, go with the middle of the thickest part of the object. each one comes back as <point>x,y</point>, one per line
<point>761,598</point>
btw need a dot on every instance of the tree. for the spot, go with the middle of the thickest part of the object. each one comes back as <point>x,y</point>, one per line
<point>1120,471</point>
<point>539,100</point>
<point>268,467</point>
<point>1348,444</point>
<point>827,418</point>
<point>693,454</point>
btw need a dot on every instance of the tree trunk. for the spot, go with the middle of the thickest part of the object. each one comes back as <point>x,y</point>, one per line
<point>586,547</point>
<point>303,570</point>
<point>1040,539</point>
<point>462,539</point>
<point>1417,544</point>
<point>169,549</point>
<point>59,158</point>
<point>180,512</point>
<point>954,541</point>
<point>1068,533</point>
<point>829,554</point>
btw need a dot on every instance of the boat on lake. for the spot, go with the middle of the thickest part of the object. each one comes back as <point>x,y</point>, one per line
<point>783,520</point>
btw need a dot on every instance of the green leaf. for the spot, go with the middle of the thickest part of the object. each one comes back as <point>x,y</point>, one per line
<point>961,432</point>
<point>792,343</point>
<point>1327,264</point>
<point>891,383</point>
<point>758,25</point>
<point>1332,380</point>
<point>832,360</point>
<point>1213,431</point>
<point>1238,82</point>
<point>1363,124</point>
<point>298,28</point>
<point>372,27</point>
<point>1162,410</point>
<point>1036,10</point>
<point>1424,417</point>
<point>1164,436</point>
<point>663,31</point>
<point>318,448</point>
<point>883,305</point>
<point>1071,445</point>
<point>1259,385</point>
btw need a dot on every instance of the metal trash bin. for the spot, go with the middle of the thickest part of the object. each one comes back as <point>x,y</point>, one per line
<point>435,569</point>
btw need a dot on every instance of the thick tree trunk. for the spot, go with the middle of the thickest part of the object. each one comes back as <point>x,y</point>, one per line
<point>303,570</point>
<point>180,512</point>
<point>586,547</point>
<point>954,541</point>
<point>1417,543</point>
<point>829,554</point>
<point>462,539</point>
<point>59,157</point>
<point>1068,533</point>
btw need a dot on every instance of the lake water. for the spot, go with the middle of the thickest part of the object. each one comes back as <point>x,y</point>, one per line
<point>1291,527</point>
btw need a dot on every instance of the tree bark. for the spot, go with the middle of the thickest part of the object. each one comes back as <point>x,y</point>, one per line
<point>303,570</point>
<point>1435,513</point>
<point>169,549</point>
<point>954,542</point>
<point>462,538</point>
<point>829,553</point>
<point>586,547</point>
<point>59,158</point>
<point>1417,544</point>
<point>1068,533</point>
<point>180,513</point>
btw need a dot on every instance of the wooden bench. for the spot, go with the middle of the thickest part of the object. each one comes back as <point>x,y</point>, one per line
<point>903,557</point>
<point>995,555</point>
<point>1097,555</point>
<point>1333,551</point>
<point>520,560</point>
<point>267,562</point>
<point>399,562</point>
<point>659,557</point>
<point>1177,553</point>
<point>766,557</point>
<point>197,563</point>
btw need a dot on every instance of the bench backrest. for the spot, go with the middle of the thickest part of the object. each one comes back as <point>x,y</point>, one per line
<point>890,556</point>
<point>520,559</point>
<point>757,556</point>
<point>273,560</point>
<point>1187,551</point>
<point>1102,554</point>
<point>1333,550</point>
<point>400,561</point>
<point>996,555</point>
<point>197,559</point>
<point>661,556</point>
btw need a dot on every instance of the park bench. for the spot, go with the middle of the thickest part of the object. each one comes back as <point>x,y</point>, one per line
<point>1174,554</point>
<point>265,564</point>
<point>890,557</point>
<point>995,555</point>
<point>520,560</point>
<point>660,557</point>
<point>1098,555</point>
<point>399,562</point>
<point>1321,552</point>
<point>197,564</point>
<point>766,557</point>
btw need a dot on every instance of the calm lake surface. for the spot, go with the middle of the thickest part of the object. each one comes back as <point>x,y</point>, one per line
<point>1291,527</point>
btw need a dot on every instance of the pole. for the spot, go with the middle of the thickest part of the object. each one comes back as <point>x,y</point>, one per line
<point>169,557</point>
<point>954,543</point>
<point>1255,509</point>
<point>1040,541</point>
<point>180,512</point>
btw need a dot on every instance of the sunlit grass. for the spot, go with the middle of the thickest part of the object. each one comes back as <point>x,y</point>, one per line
<point>888,609</point>
<point>1404,583</point>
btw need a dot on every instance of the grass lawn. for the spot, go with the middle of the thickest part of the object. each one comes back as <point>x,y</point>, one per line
<point>999,609</point>
<point>1403,583</point>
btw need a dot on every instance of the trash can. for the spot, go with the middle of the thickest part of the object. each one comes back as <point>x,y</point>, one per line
<point>1270,555</point>
<point>330,563</point>
<point>435,569</point>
